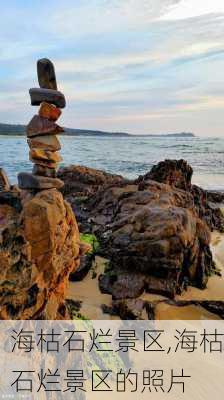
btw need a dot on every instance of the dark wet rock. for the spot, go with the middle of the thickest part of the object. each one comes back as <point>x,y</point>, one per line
<point>83,269</point>
<point>73,306</point>
<point>176,173</point>
<point>128,286</point>
<point>109,310</point>
<point>122,285</point>
<point>106,282</point>
<point>130,309</point>
<point>208,211</point>
<point>135,309</point>
<point>215,307</point>
<point>84,181</point>
<point>46,74</point>
<point>11,199</point>
<point>48,95</point>
<point>35,182</point>
<point>81,184</point>
<point>214,196</point>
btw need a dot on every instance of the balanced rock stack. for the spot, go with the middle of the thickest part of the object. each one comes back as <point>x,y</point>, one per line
<point>42,130</point>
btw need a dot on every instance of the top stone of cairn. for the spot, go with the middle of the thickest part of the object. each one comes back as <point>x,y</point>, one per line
<point>46,74</point>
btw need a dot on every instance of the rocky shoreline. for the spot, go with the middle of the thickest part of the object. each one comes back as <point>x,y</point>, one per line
<point>155,232</point>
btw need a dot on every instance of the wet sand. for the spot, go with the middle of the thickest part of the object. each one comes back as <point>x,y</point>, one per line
<point>87,291</point>
<point>164,311</point>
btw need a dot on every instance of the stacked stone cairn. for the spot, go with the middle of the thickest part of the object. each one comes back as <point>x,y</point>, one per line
<point>42,130</point>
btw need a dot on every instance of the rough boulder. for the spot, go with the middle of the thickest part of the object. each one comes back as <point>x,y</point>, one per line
<point>155,230</point>
<point>39,247</point>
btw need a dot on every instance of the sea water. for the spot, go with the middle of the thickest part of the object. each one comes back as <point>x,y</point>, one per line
<point>128,156</point>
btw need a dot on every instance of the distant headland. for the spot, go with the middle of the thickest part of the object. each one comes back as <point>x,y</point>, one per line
<point>20,130</point>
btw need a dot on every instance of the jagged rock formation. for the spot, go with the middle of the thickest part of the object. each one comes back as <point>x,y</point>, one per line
<point>82,183</point>
<point>176,173</point>
<point>155,234</point>
<point>156,242</point>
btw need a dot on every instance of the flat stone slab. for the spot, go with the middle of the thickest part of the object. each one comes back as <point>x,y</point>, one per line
<point>42,126</point>
<point>33,182</point>
<point>48,142</point>
<point>46,74</point>
<point>50,96</point>
<point>49,111</point>
<point>45,155</point>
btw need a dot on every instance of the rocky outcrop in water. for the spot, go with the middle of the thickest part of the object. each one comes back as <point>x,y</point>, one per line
<point>176,173</point>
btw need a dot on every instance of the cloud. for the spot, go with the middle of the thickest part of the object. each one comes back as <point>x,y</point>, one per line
<point>134,65</point>
<point>191,8</point>
<point>83,18</point>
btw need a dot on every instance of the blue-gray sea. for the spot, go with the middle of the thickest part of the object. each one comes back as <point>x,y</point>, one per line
<point>128,156</point>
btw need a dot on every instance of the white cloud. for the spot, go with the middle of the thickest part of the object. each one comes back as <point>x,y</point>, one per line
<point>103,16</point>
<point>193,8</point>
<point>135,65</point>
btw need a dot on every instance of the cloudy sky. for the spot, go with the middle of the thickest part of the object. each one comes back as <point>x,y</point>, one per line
<point>142,66</point>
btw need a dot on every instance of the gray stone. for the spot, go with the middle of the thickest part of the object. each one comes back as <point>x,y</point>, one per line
<point>46,74</point>
<point>34,182</point>
<point>50,96</point>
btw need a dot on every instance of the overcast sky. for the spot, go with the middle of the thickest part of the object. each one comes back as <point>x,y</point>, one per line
<point>141,66</point>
